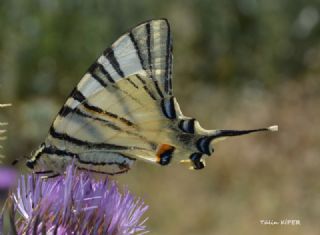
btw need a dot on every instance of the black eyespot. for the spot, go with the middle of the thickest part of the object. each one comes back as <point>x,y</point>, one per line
<point>165,158</point>
<point>203,145</point>
<point>196,160</point>
<point>187,125</point>
<point>165,154</point>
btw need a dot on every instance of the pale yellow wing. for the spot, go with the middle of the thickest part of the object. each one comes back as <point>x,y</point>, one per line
<point>122,107</point>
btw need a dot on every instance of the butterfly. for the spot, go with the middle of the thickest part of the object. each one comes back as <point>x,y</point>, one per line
<point>123,110</point>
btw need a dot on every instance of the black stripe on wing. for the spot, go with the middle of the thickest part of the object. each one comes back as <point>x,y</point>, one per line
<point>196,160</point>
<point>109,54</point>
<point>50,150</point>
<point>148,29</point>
<point>168,72</point>
<point>136,47</point>
<point>90,145</point>
<point>148,70</point>
<point>59,152</point>
<point>187,125</point>
<point>109,114</point>
<point>168,108</point>
<point>77,95</point>
<point>96,69</point>
<point>150,93</point>
<point>203,145</point>
<point>156,84</point>
<point>132,83</point>
<point>66,110</point>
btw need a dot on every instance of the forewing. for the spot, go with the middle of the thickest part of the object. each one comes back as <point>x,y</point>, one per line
<point>123,104</point>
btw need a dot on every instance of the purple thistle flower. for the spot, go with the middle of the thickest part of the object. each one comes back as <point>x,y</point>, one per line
<point>8,177</point>
<point>76,204</point>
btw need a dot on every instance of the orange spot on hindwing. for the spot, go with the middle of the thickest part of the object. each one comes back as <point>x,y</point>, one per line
<point>164,154</point>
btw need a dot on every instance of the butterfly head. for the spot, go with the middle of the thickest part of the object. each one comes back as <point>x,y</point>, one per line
<point>34,156</point>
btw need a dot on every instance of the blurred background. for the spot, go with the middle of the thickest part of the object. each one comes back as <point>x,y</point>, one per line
<point>237,64</point>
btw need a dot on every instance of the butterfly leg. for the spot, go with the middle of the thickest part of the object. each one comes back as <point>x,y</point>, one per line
<point>43,172</point>
<point>46,174</point>
<point>187,163</point>
<point>53,175</point>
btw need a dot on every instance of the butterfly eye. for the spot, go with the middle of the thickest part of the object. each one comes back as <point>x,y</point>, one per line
<point>30,164</point>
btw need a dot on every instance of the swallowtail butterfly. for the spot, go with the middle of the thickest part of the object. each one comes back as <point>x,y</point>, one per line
<point>123,110</point>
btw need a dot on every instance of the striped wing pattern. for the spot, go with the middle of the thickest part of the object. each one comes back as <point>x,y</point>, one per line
<point>123,109</point>
<point>119,110</point>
